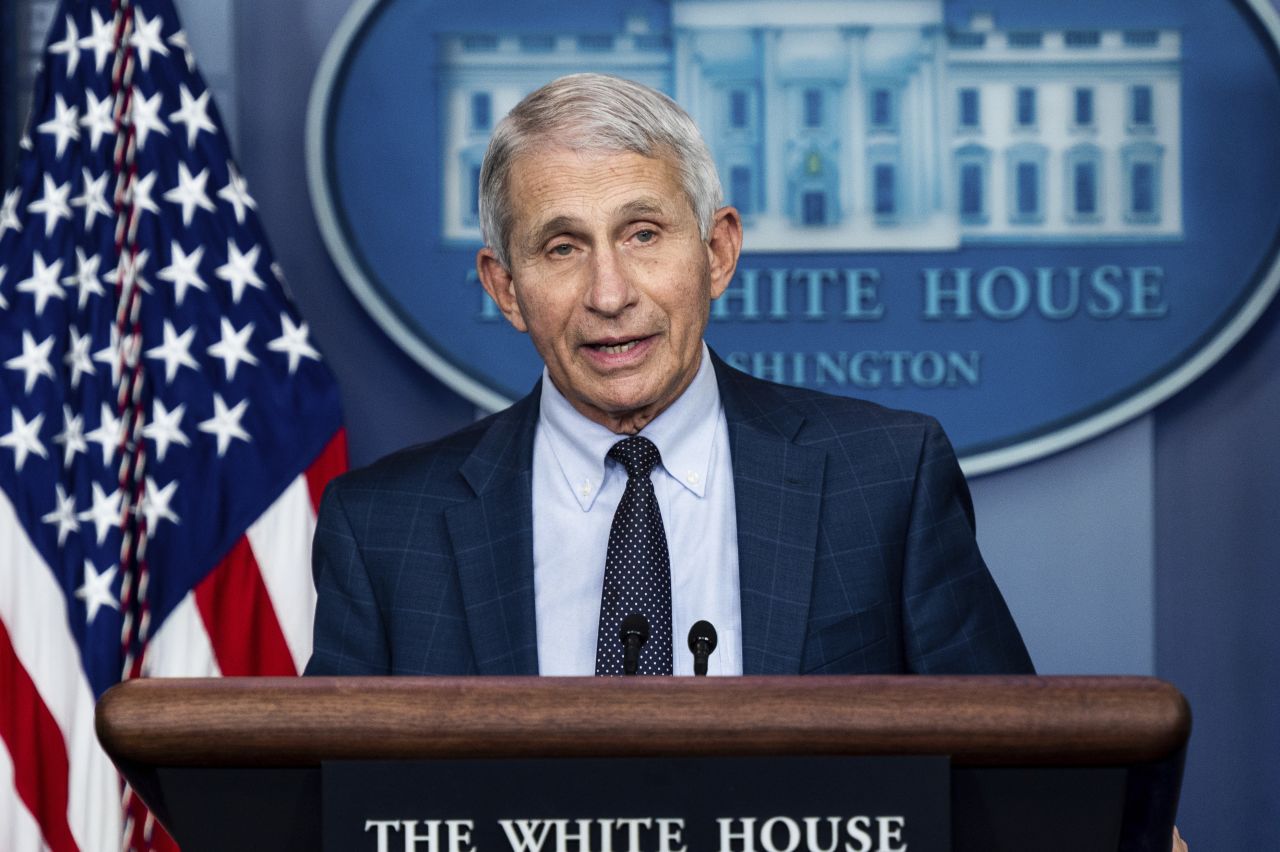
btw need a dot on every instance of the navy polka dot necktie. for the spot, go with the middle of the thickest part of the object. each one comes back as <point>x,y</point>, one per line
<point>637,568</point>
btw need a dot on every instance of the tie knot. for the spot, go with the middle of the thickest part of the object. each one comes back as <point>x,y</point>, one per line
<point>637,454</point>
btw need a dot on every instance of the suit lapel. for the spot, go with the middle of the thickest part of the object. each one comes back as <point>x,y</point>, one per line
<point>778,493</point>
<point>492,537</point>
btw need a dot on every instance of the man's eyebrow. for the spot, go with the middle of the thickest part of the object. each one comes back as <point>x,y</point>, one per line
<point>549,229</point>
<point>642,208</point>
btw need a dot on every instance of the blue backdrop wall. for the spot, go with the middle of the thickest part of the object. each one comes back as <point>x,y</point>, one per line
<point>1153,550</point>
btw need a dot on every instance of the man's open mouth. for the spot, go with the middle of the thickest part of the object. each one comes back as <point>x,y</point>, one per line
<point>616,348</point>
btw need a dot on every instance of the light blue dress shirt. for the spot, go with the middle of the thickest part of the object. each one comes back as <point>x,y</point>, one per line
<point>575,493</point>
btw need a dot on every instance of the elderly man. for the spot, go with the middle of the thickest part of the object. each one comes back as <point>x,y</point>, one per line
<point>643,485</point>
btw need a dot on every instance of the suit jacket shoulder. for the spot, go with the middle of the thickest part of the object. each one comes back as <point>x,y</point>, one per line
<point>879,570</point>
<point>866,445</point>
<point>418,557</point>
<point>814,416</point>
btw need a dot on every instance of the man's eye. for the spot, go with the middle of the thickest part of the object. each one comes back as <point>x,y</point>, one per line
<point>562,250</point>
<point>646,236</point>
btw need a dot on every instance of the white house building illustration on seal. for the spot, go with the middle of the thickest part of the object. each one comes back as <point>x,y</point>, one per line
<point>865,125</point>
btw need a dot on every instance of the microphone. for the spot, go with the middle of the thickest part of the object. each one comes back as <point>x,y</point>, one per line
<point>634,633</point>
<point>702,641</point>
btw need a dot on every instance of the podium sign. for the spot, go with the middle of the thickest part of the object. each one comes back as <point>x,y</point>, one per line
<point>858,804</point>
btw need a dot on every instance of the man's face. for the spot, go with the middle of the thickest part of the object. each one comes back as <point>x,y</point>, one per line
<point>611,279</point>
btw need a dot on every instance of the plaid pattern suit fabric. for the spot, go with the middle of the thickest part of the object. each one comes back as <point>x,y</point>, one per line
<point>856,548</point>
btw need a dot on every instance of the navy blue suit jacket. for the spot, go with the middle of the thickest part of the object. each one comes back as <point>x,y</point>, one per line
<point>856,548</point>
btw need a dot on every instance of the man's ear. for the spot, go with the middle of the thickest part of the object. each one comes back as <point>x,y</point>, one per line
<point>500,286</point>
<point>723,248</point>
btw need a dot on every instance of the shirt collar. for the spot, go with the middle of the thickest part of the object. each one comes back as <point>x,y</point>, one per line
<point>684,434</point>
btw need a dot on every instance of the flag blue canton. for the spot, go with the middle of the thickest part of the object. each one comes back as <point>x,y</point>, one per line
<point>158,389</point>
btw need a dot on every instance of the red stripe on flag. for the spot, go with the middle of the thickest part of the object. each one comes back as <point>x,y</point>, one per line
<point>161,841</point>
<point>331,462</point>
<point>239,617</point>
<point>38,750</point>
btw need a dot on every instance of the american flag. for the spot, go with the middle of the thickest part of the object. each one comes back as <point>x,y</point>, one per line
<point>166,425</point>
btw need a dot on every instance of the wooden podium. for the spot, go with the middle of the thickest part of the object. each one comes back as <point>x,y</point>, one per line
<point>1029,755</point>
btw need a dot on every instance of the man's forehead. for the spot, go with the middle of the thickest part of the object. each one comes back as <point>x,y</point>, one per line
<point>587,151</point>
<point>561,185</point>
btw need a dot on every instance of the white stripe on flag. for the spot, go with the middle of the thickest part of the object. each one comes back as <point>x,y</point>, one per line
<point>281,542</point>
<point>18,829</point>
<point>35,614</point>
<point>181,647</point>
<point>93,791</point>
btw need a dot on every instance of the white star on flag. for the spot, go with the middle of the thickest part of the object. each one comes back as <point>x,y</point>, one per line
<point>239,271</point>
<point>165,428</point>
<point>140,195</point>
<point>118,354</point>
<point>69,47</point>
<point>93,198</point>
<point>155,504</point>
<point>179,40</point>
<point>72,436</point>
<point>236,193</point>
<point>64,514</point>
<point>293,342</point>
<point>175,351</point>
<point>77,358</point>
<point>233,347</point>
<point>109,435</point>
<point>102,41</point>
<point>43,283</point>
<point>97,118</point>
<point>24,438</point>
<point>34,360</point>
<point>104,512</point>
<point>183,271</point>
<point>146,38</point>
<point>194,114</point>
<point>9,212</point>
<point>96,590</point>
<point>190,193</point>
<point>225,423</point>
<point>4,303</point>
<point>65,124</point>
<point>86,277</point>
<point>53,204</point>
<point>146,116</point>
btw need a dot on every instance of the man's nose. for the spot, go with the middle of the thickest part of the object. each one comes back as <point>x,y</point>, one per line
<point>610,290</point>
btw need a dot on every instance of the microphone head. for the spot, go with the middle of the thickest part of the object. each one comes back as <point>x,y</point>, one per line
<point>702,631</point>
<point>634,625</point>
